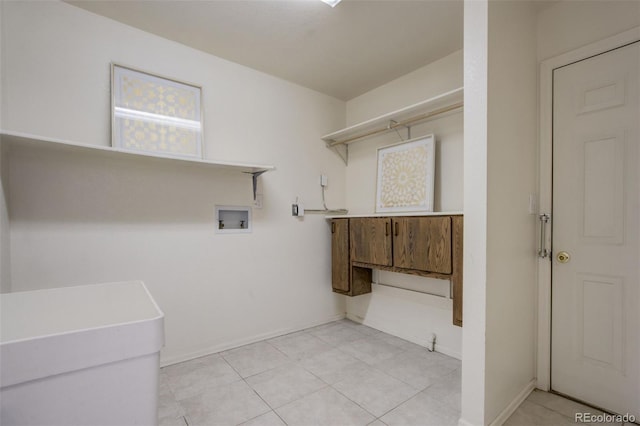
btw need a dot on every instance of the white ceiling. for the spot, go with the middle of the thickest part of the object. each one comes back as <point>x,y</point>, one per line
<point>343,51</point>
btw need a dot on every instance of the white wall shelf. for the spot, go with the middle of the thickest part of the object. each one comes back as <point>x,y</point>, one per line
<point>346,216</point>
<point>426,110</point>
<point>13,138</point>
<point>8,139</point>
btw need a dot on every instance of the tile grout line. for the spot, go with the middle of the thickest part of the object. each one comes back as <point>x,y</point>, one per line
<point>367,411</point>
<point>296,362</point>
<point>403,402</point>
<point>329,385</point>
<point>252,389</point>
<point>221,355</point>
<point>402,351</point>
<point>375,336</point>
<point>182,410</point>
<point>271,369</point>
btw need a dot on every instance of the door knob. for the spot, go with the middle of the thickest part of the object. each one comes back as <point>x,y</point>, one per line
<point>563,257</point>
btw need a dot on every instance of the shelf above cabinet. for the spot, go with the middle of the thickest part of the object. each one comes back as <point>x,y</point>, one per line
<point>347,216</point>
<point>426,110</point>
<point>21,139</point>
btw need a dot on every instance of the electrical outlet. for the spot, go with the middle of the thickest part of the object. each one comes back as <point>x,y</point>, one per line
<point>297,210</point>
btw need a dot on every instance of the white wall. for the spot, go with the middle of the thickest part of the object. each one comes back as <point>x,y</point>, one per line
<point>511,228</point>
<point>476,68</point>
<point>568,25</point>
<point>501,127</point>
<point>433,79</point>
<point>5,260</point>
<point>80,218</point>
<point>404,313</point>
<point>500,370</point>
<point>503,41</point>
<point>2,49</point>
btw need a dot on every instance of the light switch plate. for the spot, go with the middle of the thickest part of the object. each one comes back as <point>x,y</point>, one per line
<point>533,207</point>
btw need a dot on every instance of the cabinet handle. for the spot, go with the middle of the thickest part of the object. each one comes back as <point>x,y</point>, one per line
<point>386,229</point>
<point>333,227</point>
<point>395,230</point>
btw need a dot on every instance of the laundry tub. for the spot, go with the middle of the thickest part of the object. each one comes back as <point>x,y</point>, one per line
<point>86,355</point>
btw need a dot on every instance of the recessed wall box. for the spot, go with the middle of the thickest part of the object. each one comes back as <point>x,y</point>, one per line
<point>233,219</point>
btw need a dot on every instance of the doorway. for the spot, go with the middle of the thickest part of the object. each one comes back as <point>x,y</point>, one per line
<point>595,239</point>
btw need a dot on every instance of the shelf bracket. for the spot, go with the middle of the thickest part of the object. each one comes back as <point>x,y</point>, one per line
<point>341,150</point>
<point>254,179</point>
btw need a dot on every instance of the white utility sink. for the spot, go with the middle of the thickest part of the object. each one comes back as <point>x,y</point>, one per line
<point>86,355</point>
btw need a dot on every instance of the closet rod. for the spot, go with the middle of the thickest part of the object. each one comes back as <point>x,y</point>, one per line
<point>403,123</point>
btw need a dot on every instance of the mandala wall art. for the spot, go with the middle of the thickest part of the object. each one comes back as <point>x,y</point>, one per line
<point>155,115</point>
<point>406,176</point>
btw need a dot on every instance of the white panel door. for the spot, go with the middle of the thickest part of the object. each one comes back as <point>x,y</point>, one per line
<point>595,296</point>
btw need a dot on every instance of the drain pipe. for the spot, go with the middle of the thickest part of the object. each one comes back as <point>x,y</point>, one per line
<point>432,343</point>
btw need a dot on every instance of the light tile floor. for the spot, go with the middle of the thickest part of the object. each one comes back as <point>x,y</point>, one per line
<point>542,408</point>
<point>341,373</point>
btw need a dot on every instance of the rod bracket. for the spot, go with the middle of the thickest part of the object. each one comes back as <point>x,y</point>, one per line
<point>393,124</point>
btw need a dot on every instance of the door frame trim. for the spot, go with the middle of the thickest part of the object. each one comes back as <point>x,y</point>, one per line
<point>545,167</point>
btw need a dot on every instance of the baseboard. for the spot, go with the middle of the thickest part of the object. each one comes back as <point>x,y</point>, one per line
<point>381,325</point>
<point>513,406</point>
<point>246,341</point>
<point>543,385</point>
<point>463,422</point>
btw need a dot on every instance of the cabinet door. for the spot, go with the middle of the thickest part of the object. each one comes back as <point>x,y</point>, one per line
<point>456,275</point>
<point>340,255</point>
<point>422,243</point>
<point>371,240</point>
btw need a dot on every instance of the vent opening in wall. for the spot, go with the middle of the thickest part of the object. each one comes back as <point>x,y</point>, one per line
<point>233,219</point>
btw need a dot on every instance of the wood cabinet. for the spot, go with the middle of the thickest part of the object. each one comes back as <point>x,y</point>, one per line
<point>340,254</point>
<point>345,278</point>
<point>456,273</point>
<point>371,240</point>
<point>429,246</point>
<point>422,243</point>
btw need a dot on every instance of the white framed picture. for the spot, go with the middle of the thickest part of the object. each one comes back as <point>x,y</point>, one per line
<point>155,115</point>
<point>406,173</point>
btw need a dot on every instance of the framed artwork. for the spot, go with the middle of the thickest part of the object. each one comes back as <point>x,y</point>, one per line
<point>406,176</point>
<point>155,115</point>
